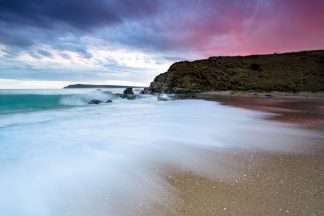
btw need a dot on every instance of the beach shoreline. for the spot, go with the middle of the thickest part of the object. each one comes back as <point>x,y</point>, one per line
<point>251,93</point>
<point>304,110</point>
<point>265,183</point>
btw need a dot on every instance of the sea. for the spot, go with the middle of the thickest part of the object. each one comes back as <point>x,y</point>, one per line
<point>61,156</point>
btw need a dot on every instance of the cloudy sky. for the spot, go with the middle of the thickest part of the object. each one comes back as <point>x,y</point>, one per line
<point>51,43</point>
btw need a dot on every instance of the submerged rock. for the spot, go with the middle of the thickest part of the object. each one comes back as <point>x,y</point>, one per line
<point>130,97</point>
<point>95,101</point>
<point>109,101</point>
<point>146,91</point>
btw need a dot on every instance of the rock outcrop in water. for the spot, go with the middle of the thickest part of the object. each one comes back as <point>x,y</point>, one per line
<point>129,91</point>
<point>128,94</point>
<point>288,72</point>
<point>95,101</point>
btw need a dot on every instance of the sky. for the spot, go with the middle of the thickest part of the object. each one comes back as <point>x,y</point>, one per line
<point>52,43</point>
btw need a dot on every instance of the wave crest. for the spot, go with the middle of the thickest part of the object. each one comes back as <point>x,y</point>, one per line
<point>12,102</point>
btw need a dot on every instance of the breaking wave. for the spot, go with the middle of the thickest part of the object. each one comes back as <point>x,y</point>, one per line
<point>11,102</point>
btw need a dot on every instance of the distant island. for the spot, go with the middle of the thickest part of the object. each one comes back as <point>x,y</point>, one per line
<point>99,86</point>
<point>287,72</point>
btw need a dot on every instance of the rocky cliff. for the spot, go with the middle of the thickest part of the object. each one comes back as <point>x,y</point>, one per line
<point>299,71</point>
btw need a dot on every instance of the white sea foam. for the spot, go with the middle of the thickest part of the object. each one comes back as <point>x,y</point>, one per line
<point>83,99</point>
<point>106,159</point>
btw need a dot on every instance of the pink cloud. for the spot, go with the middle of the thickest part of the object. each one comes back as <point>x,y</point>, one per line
<point>247,27</point>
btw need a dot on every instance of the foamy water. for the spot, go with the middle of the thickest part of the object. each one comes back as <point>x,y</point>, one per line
<point>64,157</point>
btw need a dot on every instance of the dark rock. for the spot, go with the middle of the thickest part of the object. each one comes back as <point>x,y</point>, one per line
<point>128,91</point>
<point>128,94</point>
<point>146,91</point>
<point>109,101</point>
<point>184,96</point>
<point>130,97</point>
<point>280,72</point>
<point>95,101</point>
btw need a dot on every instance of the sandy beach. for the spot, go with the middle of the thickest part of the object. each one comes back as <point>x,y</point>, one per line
<point>224,155</point>
<point>260,183</point>
<point>250,94</point>
<point>304,109</point>
<point>275,185</point>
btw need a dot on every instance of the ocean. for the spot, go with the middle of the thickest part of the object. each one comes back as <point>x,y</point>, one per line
<point>61,156</point>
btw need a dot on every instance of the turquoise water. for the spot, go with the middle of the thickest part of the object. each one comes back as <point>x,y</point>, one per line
<point>9,102</point>
<point>61,156</point>
<point>35,100</point>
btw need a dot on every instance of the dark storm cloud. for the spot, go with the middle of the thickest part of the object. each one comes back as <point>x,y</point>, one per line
<point>82,14</point>
<point>226,27</point>
<point>24,23</point>
<point>182,25</point>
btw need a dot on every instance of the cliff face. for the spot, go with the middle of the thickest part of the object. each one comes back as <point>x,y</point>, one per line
<point>300,71</point>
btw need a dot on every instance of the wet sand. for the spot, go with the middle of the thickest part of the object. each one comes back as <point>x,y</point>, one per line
<point>302,111</point>
<point>262,183</point>
<point>275,185</point>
